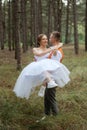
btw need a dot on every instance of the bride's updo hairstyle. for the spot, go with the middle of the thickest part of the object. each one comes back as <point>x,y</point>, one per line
<point>56,35</point>
<point>39,38</point>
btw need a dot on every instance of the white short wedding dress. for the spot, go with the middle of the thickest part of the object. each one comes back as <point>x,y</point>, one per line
<point>34,74</point>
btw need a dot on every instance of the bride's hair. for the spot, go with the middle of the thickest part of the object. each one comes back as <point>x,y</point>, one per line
<point>39,38</point>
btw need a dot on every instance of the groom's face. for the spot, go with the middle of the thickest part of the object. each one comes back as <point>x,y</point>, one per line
<point>52,39</point>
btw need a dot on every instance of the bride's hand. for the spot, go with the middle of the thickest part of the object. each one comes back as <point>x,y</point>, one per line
<point>55,52</point>
<point>56,46</point>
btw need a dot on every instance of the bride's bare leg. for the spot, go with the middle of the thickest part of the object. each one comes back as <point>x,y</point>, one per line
<point>43,87</point>
<point>50,84</point>
<point>48,76</point>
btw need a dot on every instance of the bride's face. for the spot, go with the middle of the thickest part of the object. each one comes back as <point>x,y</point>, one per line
<point>44,41</point>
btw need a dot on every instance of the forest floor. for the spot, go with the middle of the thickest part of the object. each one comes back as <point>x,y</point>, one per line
<point>21,114</point>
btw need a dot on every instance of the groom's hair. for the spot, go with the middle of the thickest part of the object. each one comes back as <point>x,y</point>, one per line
<point>56,35</point>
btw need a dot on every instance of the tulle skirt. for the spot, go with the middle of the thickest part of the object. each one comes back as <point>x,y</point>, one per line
<point>35,73</point>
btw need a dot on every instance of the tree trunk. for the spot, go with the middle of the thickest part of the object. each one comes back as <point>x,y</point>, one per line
<point>24,25</point>
<point>39,16</point>
<point>75,28</point>
<point>13,25</point>
<point>55,14</point>
<point>36,20</point>
<point>4,22</point>
<point>49,18</point>
<point>32,23</point>
<point>86,27</point>
<point>17,34</point>
<point>9,25</point>
<point>1,27</point>
<point>67,23</point>
<point>59,15</point>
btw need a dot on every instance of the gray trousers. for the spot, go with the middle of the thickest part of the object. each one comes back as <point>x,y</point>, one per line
<point>50,104</point>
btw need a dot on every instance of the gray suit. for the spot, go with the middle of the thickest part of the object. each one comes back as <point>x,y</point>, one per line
<point>50,103</point>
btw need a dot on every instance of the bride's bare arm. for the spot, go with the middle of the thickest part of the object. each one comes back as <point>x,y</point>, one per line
<point>38,53</point>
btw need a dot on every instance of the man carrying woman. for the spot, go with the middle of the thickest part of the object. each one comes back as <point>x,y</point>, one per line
<point>45,69</point>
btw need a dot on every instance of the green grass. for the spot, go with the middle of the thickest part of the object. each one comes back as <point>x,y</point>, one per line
<point>21,114</point>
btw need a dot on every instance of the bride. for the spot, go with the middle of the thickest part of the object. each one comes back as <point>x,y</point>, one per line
<point>40,70</point>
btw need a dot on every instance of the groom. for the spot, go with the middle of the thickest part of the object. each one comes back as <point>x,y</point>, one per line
<point>50,104</point>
